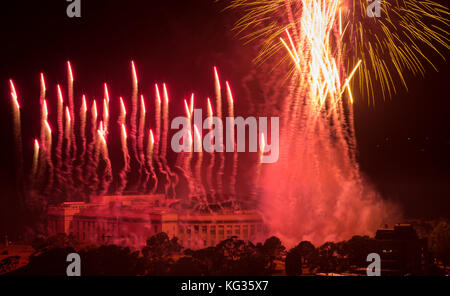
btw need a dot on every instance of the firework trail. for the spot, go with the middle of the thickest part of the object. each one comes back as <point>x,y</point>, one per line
<point>83,111</point>
<point>173,178</point>
<point>126,162</point>
<point>44,113</point>
<point>59,145</point>
<point>17,133</point>
<point>158,139</point>
<point>210,167</point>
<point>106,120</point>
<point>262,147</point>
<point>48,154</point>
<point>133,118</point>
<point>232,141</point>
<point>184,157</point>
<point>68,159</point>
<point>150,145</point>
<point>198,165</point>
<point>123,112</point>
<point>218,95</point>
<point>140,143</point>
<point>91,173</point>
<point>35,162</point>
<point>107,176</point>
<point>187,165</point>
<point>105,115</point>
<point>72,114</point>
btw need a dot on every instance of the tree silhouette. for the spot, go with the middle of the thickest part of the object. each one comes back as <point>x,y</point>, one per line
<point>439,243</point>
<point>272,248</point>
<point>293,262</point>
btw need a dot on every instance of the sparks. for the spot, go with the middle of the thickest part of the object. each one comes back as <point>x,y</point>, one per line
<point>106,92</point>
<point>60,96</point>
<point>124,131</point>
<point>135,78</point>
<point>83,104</point>
<point>69,69</point>
<point>14,94</point>
<point>94,109</point>
<point>43,83</point>
<point>143,104</point>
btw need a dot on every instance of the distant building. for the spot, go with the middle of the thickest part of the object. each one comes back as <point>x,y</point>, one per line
<point>131,220</point>
<point>401,250</point>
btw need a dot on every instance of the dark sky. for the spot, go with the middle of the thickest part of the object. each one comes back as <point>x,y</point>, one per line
<point>404,143</point>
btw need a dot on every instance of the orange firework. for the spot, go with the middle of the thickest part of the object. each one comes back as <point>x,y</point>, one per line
<point>123,111</point>
<point>218,94</point>
<point>43,88</point>
<point>198,166</point>
<point>231,140</point>
<point>150,144</point>
<point>59,120</point>
<point>106,92</point>
<point>126,158</point>
<point>17,131</point>
<point>35,160</point>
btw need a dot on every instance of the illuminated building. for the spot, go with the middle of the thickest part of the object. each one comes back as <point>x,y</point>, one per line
<point>132,219</point>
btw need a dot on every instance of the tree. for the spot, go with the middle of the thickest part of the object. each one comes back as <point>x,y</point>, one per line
<point>110,260</point>
<point>293,262</point>
<point>440,243</point>
<point>306,250</point>
<point>357,249</point>
<point>186,266</point>
<point>272,248</point>
<point>160,246</point>
<point>9,264</point>
<point>327,260</point>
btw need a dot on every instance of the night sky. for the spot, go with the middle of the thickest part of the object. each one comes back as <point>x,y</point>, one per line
<point>404,143</point>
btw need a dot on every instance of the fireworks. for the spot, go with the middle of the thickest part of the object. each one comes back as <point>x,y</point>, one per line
<point>91,171</point>
<point>388,46</point>
<point>218,96</point>
<point>35,161</point>
<point>150,144</point>
<point>17,130</point>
